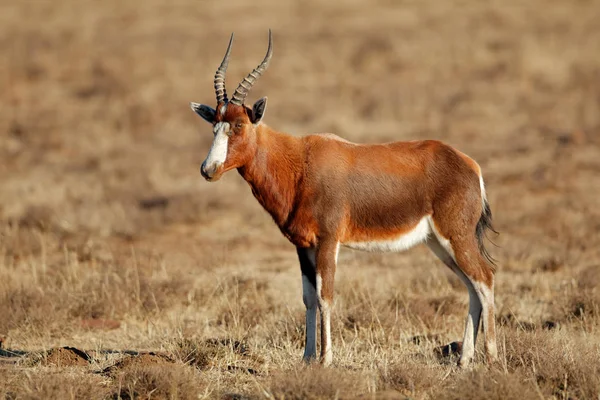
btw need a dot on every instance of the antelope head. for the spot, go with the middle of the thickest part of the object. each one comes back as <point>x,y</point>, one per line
<point>234,124</point>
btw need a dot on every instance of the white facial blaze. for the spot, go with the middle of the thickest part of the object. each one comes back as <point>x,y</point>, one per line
<point>218,151</point>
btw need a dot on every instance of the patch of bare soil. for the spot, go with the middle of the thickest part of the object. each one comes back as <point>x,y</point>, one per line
<point>65,357</point>
<point>139,360</point>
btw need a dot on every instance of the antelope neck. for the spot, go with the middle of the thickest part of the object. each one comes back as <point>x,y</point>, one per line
<point>275,171</point>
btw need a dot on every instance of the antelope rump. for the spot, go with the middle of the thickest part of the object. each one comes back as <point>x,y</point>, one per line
<point>324,192</point>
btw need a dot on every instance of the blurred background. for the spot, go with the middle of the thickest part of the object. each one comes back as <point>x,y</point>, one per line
<point>100,153</point>
<point>95,121</point>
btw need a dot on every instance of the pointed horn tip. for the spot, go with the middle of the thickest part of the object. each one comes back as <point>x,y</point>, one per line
<point>270,48</point>
<point>242,91</point>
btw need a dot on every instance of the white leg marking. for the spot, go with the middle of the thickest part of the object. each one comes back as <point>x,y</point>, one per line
<point>486,298</point>
<point>218,151</point>
<point>405,241</point>
<point>471,327</point>
<point>443,249</point>
<point>309,296</point>
<point>326,316</point>
<point>482,187</point>
<point>325,309</point>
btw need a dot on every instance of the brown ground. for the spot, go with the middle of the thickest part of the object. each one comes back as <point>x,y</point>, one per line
<point>111,242</point>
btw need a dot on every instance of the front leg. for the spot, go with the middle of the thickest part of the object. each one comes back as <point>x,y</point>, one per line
<point>309,296</point>
<point>326,258</point>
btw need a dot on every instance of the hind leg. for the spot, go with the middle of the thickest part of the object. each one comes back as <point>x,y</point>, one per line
<point>481,275</point>
<point>475,304</point>
<point>478,275</point>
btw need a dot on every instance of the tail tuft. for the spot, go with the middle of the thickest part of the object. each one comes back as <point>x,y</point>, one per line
<point>484,224</point>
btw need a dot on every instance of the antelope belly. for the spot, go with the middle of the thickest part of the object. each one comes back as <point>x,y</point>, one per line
<point>402,242</point>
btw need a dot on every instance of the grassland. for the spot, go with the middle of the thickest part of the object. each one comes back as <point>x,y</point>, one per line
<point>124,275</point>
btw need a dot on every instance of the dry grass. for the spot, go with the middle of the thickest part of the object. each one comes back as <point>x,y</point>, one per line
<point>111,243</point>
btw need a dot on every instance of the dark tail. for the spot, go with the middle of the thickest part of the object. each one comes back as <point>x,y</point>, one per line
<point>484,224</point>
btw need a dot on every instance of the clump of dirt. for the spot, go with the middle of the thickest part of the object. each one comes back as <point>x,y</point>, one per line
<point>139,360</point>
<point>63,357</point>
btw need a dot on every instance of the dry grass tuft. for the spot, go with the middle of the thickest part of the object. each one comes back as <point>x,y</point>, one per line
<point>160,382</point>
<point>314,383</point>
<point>485,384</point>
<point>560,365</point>
<point>242,301</point>
<point>203,354</point>
<point>137,360</point>
<point>40,384</point>
<point>67,289</point>
<point>412,378</point>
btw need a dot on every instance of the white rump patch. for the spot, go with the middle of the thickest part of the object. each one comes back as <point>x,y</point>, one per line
<point>403,242</point>
<point>218,151</point>
<point>482,187</point>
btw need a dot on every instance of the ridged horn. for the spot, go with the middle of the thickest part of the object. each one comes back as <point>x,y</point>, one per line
<point>220,75</point>
<point>244,87</point>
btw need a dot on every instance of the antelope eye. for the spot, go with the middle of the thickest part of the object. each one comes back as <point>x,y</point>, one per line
<point>238,125</point>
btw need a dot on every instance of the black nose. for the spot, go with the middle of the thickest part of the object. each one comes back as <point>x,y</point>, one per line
<point>207,173</point>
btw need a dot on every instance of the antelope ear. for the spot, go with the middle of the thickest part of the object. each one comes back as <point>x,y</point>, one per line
<point>258,110</point>
<point>206,112</point>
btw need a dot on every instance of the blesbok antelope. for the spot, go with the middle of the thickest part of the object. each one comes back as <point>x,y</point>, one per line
<point>323,191</point>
